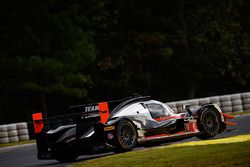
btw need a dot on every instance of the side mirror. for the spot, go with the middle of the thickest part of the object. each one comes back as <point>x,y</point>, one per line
<point>187,107</point>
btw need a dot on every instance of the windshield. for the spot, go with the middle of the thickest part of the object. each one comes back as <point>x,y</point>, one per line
<point>170,110</point>
<point>158,110</point>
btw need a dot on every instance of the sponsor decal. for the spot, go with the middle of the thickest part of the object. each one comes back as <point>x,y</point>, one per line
<point>109,128</point>
<point>90,115</point>
<point>168,118</point>
<point>103,112</point>
<point>110,136</point>
<point>192,127</point>
<point>91,108</point>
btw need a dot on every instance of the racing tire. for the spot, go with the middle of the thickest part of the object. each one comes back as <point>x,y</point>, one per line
<point>11,127</point>
<point>126,136</point>
<point>23,137</point>
<point>22,132</point>
<point>3,128</point>
<point>13,139</point>
<point>4,140</point>
<point>3,134</point>
<point>209,124</point>
<point>65,156</point>
<point>22,125</point>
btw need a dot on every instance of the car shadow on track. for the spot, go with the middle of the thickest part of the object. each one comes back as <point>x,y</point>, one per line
<point>54,163</point>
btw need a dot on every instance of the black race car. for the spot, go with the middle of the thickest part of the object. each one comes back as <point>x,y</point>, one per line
<point>122,125</point>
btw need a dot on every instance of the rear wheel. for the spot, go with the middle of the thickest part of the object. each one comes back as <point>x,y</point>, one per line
<point>209,124</point>
<point>126,136</point>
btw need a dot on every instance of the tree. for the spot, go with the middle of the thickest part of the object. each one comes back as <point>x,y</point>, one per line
<point>54,53</point>
<point>45,48</point>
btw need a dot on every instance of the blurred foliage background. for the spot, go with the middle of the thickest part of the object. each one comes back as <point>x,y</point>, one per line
<point>56,53</point>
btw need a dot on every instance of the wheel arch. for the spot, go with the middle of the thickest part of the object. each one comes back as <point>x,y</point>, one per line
<point>118,142</point>
<point>218,111</point>
<point>118,119</point>
<point>214,107</point>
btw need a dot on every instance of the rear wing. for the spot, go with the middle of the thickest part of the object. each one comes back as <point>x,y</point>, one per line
<point>95,112</point>
<point>99,113</point>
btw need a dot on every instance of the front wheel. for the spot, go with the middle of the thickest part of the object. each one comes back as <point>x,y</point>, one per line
<point>209,124</point>
<point>126,136</point>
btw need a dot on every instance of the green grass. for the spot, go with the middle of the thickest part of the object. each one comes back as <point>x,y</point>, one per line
<point>233,154</point>
<point>17,143</point>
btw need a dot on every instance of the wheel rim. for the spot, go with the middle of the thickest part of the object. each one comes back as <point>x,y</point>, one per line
<point>127,136</point>
<point>210,122</point>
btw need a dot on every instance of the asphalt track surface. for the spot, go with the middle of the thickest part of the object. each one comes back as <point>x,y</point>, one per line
<point>25,155</point>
